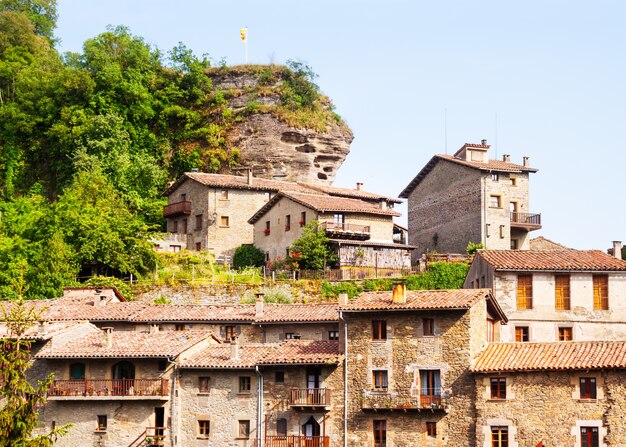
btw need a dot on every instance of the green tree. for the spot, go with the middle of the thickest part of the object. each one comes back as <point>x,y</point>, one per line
<point>42,14</point>
<point>312,250</point>
<point>247,255</point>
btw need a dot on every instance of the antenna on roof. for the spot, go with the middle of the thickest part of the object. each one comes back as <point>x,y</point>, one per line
<point>445,128</point>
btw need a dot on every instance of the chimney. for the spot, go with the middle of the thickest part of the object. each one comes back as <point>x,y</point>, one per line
<point>359,186</point>
<point>154,328</point>
<point>617,249</point>
<point>399,294</point>
<point>525,162</point>
<point>383,204</point>
<point>483,142</point>
<point>249,170</point>
<point>43,327</point>
<point>258,309</point>
<point>108,331</point>
<point>234,349</point>
<point>343,299</point>
<point>506,158</point>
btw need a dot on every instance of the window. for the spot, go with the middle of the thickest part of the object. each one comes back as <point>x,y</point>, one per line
<point>179,327</point>
<point>514,244</point>
<point>513,181</point>
<point>339,220</point>
<point>588,388</point>
<point>230,332</point>
<point>289,335</point>
<point>380,433</point>
<point>102,422</point>
<point>175,226</point>
<point>162,365</point>
<point>183,197</point>
<point>431,428</point>
<point>431,387</point>
<point>499,436</point>
<point>561,292</point>
<point>198,246</point>
<point>491,330</point>
<point>204,428</point>
<point>288,222</point>
<point>498,387</point>
<point>600,292</point>
<point>566,334</point>
<point>429,326</point>
<point>379,380</point>
<point>379,330</point>
<point>77,371</point>
<point>224,221</point>
<point>522,333</point>
<point>495,177</point>
<point>279,377</point>
<point>589,437</point>
<point>281,427</point>
<point>303,218</point>
<point>204,384</point>
<point>175,248</point>
<point>224,194</point>
<point>184,225</point>
<point>267,228</point>
<point>198,222</point>
<point>524,291</point>
<point>244,384</point>
<point>244,429</point>
<point>495,202</point>
<point>333,335</point>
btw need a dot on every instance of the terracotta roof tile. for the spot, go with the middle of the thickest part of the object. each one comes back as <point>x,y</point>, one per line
<point>126,344</point>
<point>348,192</point>
<point>282,313</point>
<point>291,352</point>
<point>324,203</point>
<point>418,300</point>
<point>559,260</point>
<point>184,312</point>
<point>500,357</point>
<point>541,243</point>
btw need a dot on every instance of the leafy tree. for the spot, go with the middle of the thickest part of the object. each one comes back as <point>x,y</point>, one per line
<point>41,13</point>
<point>312,250</point>
<point>109,281</point>
<point>473,247</point>
<point>247,255</point>
<point>21,400</point>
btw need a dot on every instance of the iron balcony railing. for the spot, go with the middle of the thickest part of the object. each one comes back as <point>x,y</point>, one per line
<point>109,387</point>
<point>431,399</point>
<point>177,209</point>
<point>309,397</point>
<point>297,441</point>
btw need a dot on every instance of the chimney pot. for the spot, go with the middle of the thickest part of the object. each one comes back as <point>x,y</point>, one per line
<point>108,331</point>
<point>343,299</point>
<point>483,142</point>
<point>399,294</point>
<point>506,158</point>
<point>617,249</point>
<point>249,176</point>
<point>525,161</point>
<point>234,349</point>
<point>258,309</point>
<point>359,185</point>
<point>154,328</point>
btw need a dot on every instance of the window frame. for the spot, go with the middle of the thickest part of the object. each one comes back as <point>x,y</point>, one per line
<point>288,222</point>
<point>199,222</point>
<point>497,388</point>
<point>204,428</point>
<point>281,427</point>
<point>225,221</point>
<point>525,332</point>
<point>379,427</point>
<point>103,422</point>
<point>600,292</point>
<point>592,439</point>
<point>590,387</point>
<point>524,294</point>
<point>245,433</point>
<point>431,429</point>
<point>562,332</point>
<point>333,335</point>
<point>379,330</point>
<point>380,380</point>
<point>279,376</point>
<point>230,332</point>
<point>224,194</point>
<point>204,384</point>
<point>245,385</point>
<point>562,292</point>
<point>495,199</point>
<point>502,433</point>
<point>428,327</point>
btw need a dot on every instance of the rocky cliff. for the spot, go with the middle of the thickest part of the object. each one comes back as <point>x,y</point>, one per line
<point>278,131</point>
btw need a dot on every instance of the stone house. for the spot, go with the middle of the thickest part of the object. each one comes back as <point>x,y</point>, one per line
<point>280,394</point>
<point>211,211</point>
<point>361,232</point>
<point>466,197</point>
<point>555,295</point>
<point>408,354</point>
<point>551,394</point>
<point>114,387</point>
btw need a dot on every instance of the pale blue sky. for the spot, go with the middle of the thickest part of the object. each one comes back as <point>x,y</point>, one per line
<point>554,73</point>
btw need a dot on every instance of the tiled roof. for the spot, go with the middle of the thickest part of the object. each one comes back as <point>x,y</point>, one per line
<point>291,352</point>
<point>348,192</point>
<point>236,182</point>
<point>500,357</point>
<point>38,332</point>
<point>541,243</point>
<point>491,165</point>
<point>126,344</point>
<point>556,260</point>
<point>283,313</point>
<point>372,244</point>
<point>167,312</point>
<point>418,300</point>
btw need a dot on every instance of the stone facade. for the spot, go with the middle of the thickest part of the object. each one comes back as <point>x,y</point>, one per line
<point>467,198</point>
<point>547,406</point>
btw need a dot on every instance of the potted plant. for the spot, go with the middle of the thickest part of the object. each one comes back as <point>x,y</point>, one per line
<point>266,231</point>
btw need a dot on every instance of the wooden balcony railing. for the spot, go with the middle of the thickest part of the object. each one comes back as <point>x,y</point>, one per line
<point>297,441</point>
<point>109,387</point>
<point>152,436</point>
<point>416,401</point>
<point>344,230</point>
<point>309,397</point>
<point>177,209</point>
<point>526,220</point>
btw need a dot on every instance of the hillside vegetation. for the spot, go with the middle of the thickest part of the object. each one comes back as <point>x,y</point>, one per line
<point>88,141</point>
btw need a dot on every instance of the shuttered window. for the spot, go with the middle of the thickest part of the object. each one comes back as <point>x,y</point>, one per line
<point>524,291</point>
<point>600,292</point>
<point>561,292</point>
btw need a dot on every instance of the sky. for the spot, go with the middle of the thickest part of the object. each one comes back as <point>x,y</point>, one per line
<point>544,79</point>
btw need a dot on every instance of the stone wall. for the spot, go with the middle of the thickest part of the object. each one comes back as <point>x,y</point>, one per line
<point>274,333</point>
<point>546,406</point>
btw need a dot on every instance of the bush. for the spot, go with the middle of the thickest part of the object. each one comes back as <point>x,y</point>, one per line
<point>440,275</point>
<point>330,290</point>
<point>472,247</point>
<point>247,255</point>
<point>109,281</point>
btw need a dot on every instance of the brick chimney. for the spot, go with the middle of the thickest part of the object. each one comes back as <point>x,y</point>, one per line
<point>617,249</point>
<point>258,305</point>
<point>399,294</point>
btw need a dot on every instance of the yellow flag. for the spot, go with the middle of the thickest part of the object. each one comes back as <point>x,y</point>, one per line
<point>243,32</point>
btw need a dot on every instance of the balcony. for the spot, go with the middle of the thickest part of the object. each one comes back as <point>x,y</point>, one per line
<point>309,398</point>
<point>116,389</point>
<point>297,441</point>
<point>391,402</point>
<point>526,221</point>
<point>342,230</point>
<point>177,209</point>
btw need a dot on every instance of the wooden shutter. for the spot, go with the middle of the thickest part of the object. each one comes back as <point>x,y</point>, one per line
<point>562,292</point>
<point>600,292</point>
<point>524,291</point>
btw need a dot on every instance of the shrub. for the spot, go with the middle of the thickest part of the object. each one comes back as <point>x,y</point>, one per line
<point>472,247</point>
<point>330,290</point>
<point>440,275</point>
<point>247,255</point>
<point>109,281</point>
